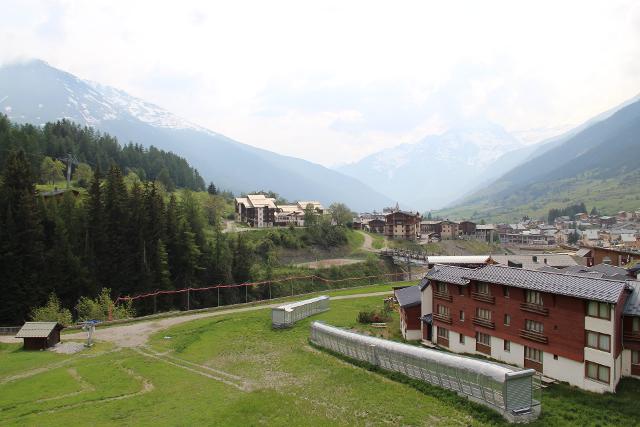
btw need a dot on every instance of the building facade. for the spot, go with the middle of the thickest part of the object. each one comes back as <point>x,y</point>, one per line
<point>402,225</point>
<point>568,327</point>
<point>257,210</point>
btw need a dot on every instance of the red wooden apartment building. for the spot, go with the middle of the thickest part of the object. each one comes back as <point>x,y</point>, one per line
<point>578,329</point>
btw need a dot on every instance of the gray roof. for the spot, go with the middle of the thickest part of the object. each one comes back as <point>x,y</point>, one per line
<point>449,274</point>
<point>632,306</point>
<point>577,286</point>
<point>554,260</point>
<point>409,296</point>
<point>583,252</point>
<point>37,329</point>
<point>609,270</point>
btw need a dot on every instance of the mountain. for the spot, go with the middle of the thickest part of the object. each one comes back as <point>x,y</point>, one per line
<point>597,163</point>
<point>34,92</point>
<point>440,168</point>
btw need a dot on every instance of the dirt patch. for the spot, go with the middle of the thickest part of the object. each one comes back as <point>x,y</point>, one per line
<point>326,263</point>
<point>69,347</point>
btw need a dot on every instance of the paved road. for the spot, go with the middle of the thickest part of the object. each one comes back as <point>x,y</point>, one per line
<point>137,334</point>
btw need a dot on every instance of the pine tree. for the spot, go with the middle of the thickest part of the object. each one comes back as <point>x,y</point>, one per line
<point>242,260</point>
<point>211,189</point>
<point>115,226</point>
<point>21,241</point>
<point>95,237</point>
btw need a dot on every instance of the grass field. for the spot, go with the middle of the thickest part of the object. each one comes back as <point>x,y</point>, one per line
<point>235,370</point>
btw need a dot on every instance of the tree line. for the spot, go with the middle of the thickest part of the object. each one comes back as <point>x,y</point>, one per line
<point>93,149</point>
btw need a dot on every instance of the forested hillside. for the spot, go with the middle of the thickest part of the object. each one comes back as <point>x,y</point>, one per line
<point>97,150</point>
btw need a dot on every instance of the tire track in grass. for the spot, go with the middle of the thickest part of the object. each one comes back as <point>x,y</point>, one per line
<point>220,376</point>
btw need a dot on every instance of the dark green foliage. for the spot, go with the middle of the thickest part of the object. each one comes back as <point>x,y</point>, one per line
<point>569,211</point>
<point>96,149</point>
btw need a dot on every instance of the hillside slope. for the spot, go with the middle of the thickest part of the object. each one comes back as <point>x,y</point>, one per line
<point>598,164</point>
<point>35,92</point>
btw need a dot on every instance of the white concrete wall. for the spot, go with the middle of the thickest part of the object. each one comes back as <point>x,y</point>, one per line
<point>412,334</point>
<point>513,357</point>
<point>469,345</point>
<point>427,301</point>
<point>600,325</point>
<point>625,362</point>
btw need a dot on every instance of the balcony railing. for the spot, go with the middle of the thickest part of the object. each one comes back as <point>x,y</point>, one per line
<point>443,341</point>
<point>443,296</point>
<point>483,297</point>
<point>482,348</point>
<point>442,318</point>
<point>484,322</point>
<point>631,336</point>
<point>534,308</point>
<point>534,336</point>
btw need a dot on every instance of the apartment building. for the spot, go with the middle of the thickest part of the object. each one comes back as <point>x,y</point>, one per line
<point>402,225</point>
<point>257,210</point>
<point>568,327</point>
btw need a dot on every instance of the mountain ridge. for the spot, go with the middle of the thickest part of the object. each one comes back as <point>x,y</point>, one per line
<point>34,92</point>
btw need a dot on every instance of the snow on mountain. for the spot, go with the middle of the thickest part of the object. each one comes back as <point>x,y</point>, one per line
<point>36,93</point>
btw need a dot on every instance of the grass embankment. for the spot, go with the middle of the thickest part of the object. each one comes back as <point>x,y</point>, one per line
<point>286,380</point>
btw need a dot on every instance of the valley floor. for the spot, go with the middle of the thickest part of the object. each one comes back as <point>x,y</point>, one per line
<point>228,367</point>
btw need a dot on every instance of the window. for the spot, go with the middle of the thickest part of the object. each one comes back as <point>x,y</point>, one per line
<point>598,309</point>
<point>443,310</point>
<point>635,324</point>
<point>507,319</point>
<point>483,339</point>
<point>461,339</point>
<point>507,346</point>
<point>597,372</point>
<point>533,297</point>
<point>635,357</point>
<point>442,288</point>
<point>533,354</point>
<point>483,313</point>
<point>443,333</point>
<point>482,288</point>
<point>533,326</point>
<point>505,292</point>
<point>461,316</point>
<point>460,290</point>
<point>598,341</point>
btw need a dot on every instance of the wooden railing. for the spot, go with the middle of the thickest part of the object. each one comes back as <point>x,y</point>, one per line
<point>631,336</point>
<point>484,322</point>
<point>483,297</point>
<point>534,336</point>
<point>482,348</point>
<point>443,342</point>
<point>534,308</point>
<point>443,296</point>
<point>532,364</point>
<point>442,318</point>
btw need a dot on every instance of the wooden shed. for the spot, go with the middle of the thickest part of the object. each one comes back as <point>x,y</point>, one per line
<point>40,335</point>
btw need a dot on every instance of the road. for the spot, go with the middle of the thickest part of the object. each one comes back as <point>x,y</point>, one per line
<point>136,334</point>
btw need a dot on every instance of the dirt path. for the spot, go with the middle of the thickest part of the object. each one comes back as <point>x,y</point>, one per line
<point>367,245</point>
<point>137,334</point>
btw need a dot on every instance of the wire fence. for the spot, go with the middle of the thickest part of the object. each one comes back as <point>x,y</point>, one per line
<point>513,393</point>
<point>190,298</point>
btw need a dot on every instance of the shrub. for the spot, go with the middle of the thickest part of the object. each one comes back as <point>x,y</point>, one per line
<point>52,312</point>
<point>98,308</point>
<point>375,316</point>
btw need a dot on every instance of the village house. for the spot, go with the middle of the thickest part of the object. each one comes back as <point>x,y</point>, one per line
<point>467,228</point>
<point>409,302</point>
<point>402,225</point>
<point>449,230</point>
<point>592,255</point>
<point>289,215</point>
<point>257,210</point>
<point>376,226</point>
<point>568,327</point>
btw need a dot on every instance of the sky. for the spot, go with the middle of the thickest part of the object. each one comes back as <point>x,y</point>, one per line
<point>334,81</point>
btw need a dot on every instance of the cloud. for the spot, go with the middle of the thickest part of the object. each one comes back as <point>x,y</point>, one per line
<point>334,81</point>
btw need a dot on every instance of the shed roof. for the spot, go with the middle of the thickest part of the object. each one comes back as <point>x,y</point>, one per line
<point>449,274</point>
<point>409,296</point>
<point>583,252</point>
<point>459,259</point>
<point>37,329</point>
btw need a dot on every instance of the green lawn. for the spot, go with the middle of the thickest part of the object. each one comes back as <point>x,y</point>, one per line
<point>236,370</point>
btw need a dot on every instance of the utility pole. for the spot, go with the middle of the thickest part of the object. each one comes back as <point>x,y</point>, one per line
<point>69,159</point>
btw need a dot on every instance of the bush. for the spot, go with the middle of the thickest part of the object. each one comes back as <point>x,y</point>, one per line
<point>98,308</point>
<point>52,312</point>
<point>375,316</point>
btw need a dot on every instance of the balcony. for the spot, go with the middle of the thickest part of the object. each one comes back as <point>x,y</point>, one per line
<point>631,336</point>
<point>534,308</point>
<point>534,336</point>
<point>444,342</point>
<point>484,322</point>
<point>443,296</point>
<point>483,297</point>
<point>482,348</point>
<point>442,318</point>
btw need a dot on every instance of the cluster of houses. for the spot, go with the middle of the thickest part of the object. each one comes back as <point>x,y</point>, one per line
<point>622,230</point>
<point>577,322</point>
<point>258,210</point>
